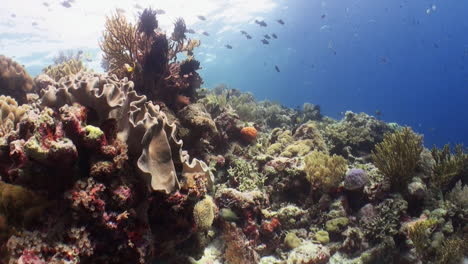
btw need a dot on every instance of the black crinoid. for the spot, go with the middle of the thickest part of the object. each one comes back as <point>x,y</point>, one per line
<point>179,30</point>
<point>189,66</point>
<point>147,22</point>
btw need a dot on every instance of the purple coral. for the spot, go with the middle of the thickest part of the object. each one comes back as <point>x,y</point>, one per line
<point>355,179</point>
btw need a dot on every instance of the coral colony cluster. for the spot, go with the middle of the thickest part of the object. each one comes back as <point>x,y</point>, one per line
<point>141,165</point>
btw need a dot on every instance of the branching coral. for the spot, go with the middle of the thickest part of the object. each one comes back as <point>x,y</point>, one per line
<point>397,156</point>
<point>447,165</point>
<point>14,80</point>
<point>419,233</point>
<point>324,172</point>
<point>66,68</point>
<point>246,175</point>
<point>355,134</point>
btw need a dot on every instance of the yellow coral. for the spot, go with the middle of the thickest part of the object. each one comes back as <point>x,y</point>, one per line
<point>190,46</point>
<point>419,233</point>
<point>204,213</point>
<point>397,156</point>
<point>10,114</point>
<point>323,171</point>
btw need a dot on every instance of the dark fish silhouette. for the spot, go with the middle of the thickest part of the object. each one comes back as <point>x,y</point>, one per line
<point>324,16</point>
<point>206,33</point>
<point>190,31</point>
<point>243,32</point>
<point>277,68</point>
<point>261,23</point>
<point>264,41</point>
<point>34,24</point>
<point>228,46</point>
<point>280,21</point>
<point>66,4</point>
<point>201,18</point>
<point>274,36</point>
<point>137,6</point>
<point>13,15</point>
<point>46,4</point>
<point>267,36</point>
<point>248,36</point>
<point>160,12</point>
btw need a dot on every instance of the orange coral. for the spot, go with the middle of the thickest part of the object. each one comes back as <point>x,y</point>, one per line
<point>249,134</point>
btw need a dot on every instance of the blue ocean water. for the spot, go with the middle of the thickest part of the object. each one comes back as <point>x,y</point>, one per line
<point>404,59</point>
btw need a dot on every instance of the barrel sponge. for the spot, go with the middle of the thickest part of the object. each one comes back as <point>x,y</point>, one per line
<point>204,213</point>
<point>10,114</point>
<point>14,80</point>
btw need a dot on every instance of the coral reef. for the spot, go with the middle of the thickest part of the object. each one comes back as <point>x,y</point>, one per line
<point>137,166</point>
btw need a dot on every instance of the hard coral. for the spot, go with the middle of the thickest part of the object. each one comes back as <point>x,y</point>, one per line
<point>355,134</point>
<point>10,114</point>
<point>447,166</point>
<point>324,172</point>
<point>248,134</point>
<point>14,80</point>
<point>397,157</point>
<point>66,68</point>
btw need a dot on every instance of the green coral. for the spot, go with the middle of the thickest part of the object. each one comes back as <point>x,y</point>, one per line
<point>397,157</point>
<point>246,175</point>
<point>70,67</point>
<point>292,241</point>
<point>447,165</point>
<point>93,133</point>
<point>204,213</point>
<point>336,225</point>
<point>322,236</point>
<point>323,171</point>
<point>420,233</point>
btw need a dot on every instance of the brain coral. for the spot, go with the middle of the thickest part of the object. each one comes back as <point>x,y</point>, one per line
<point>14,80</point>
